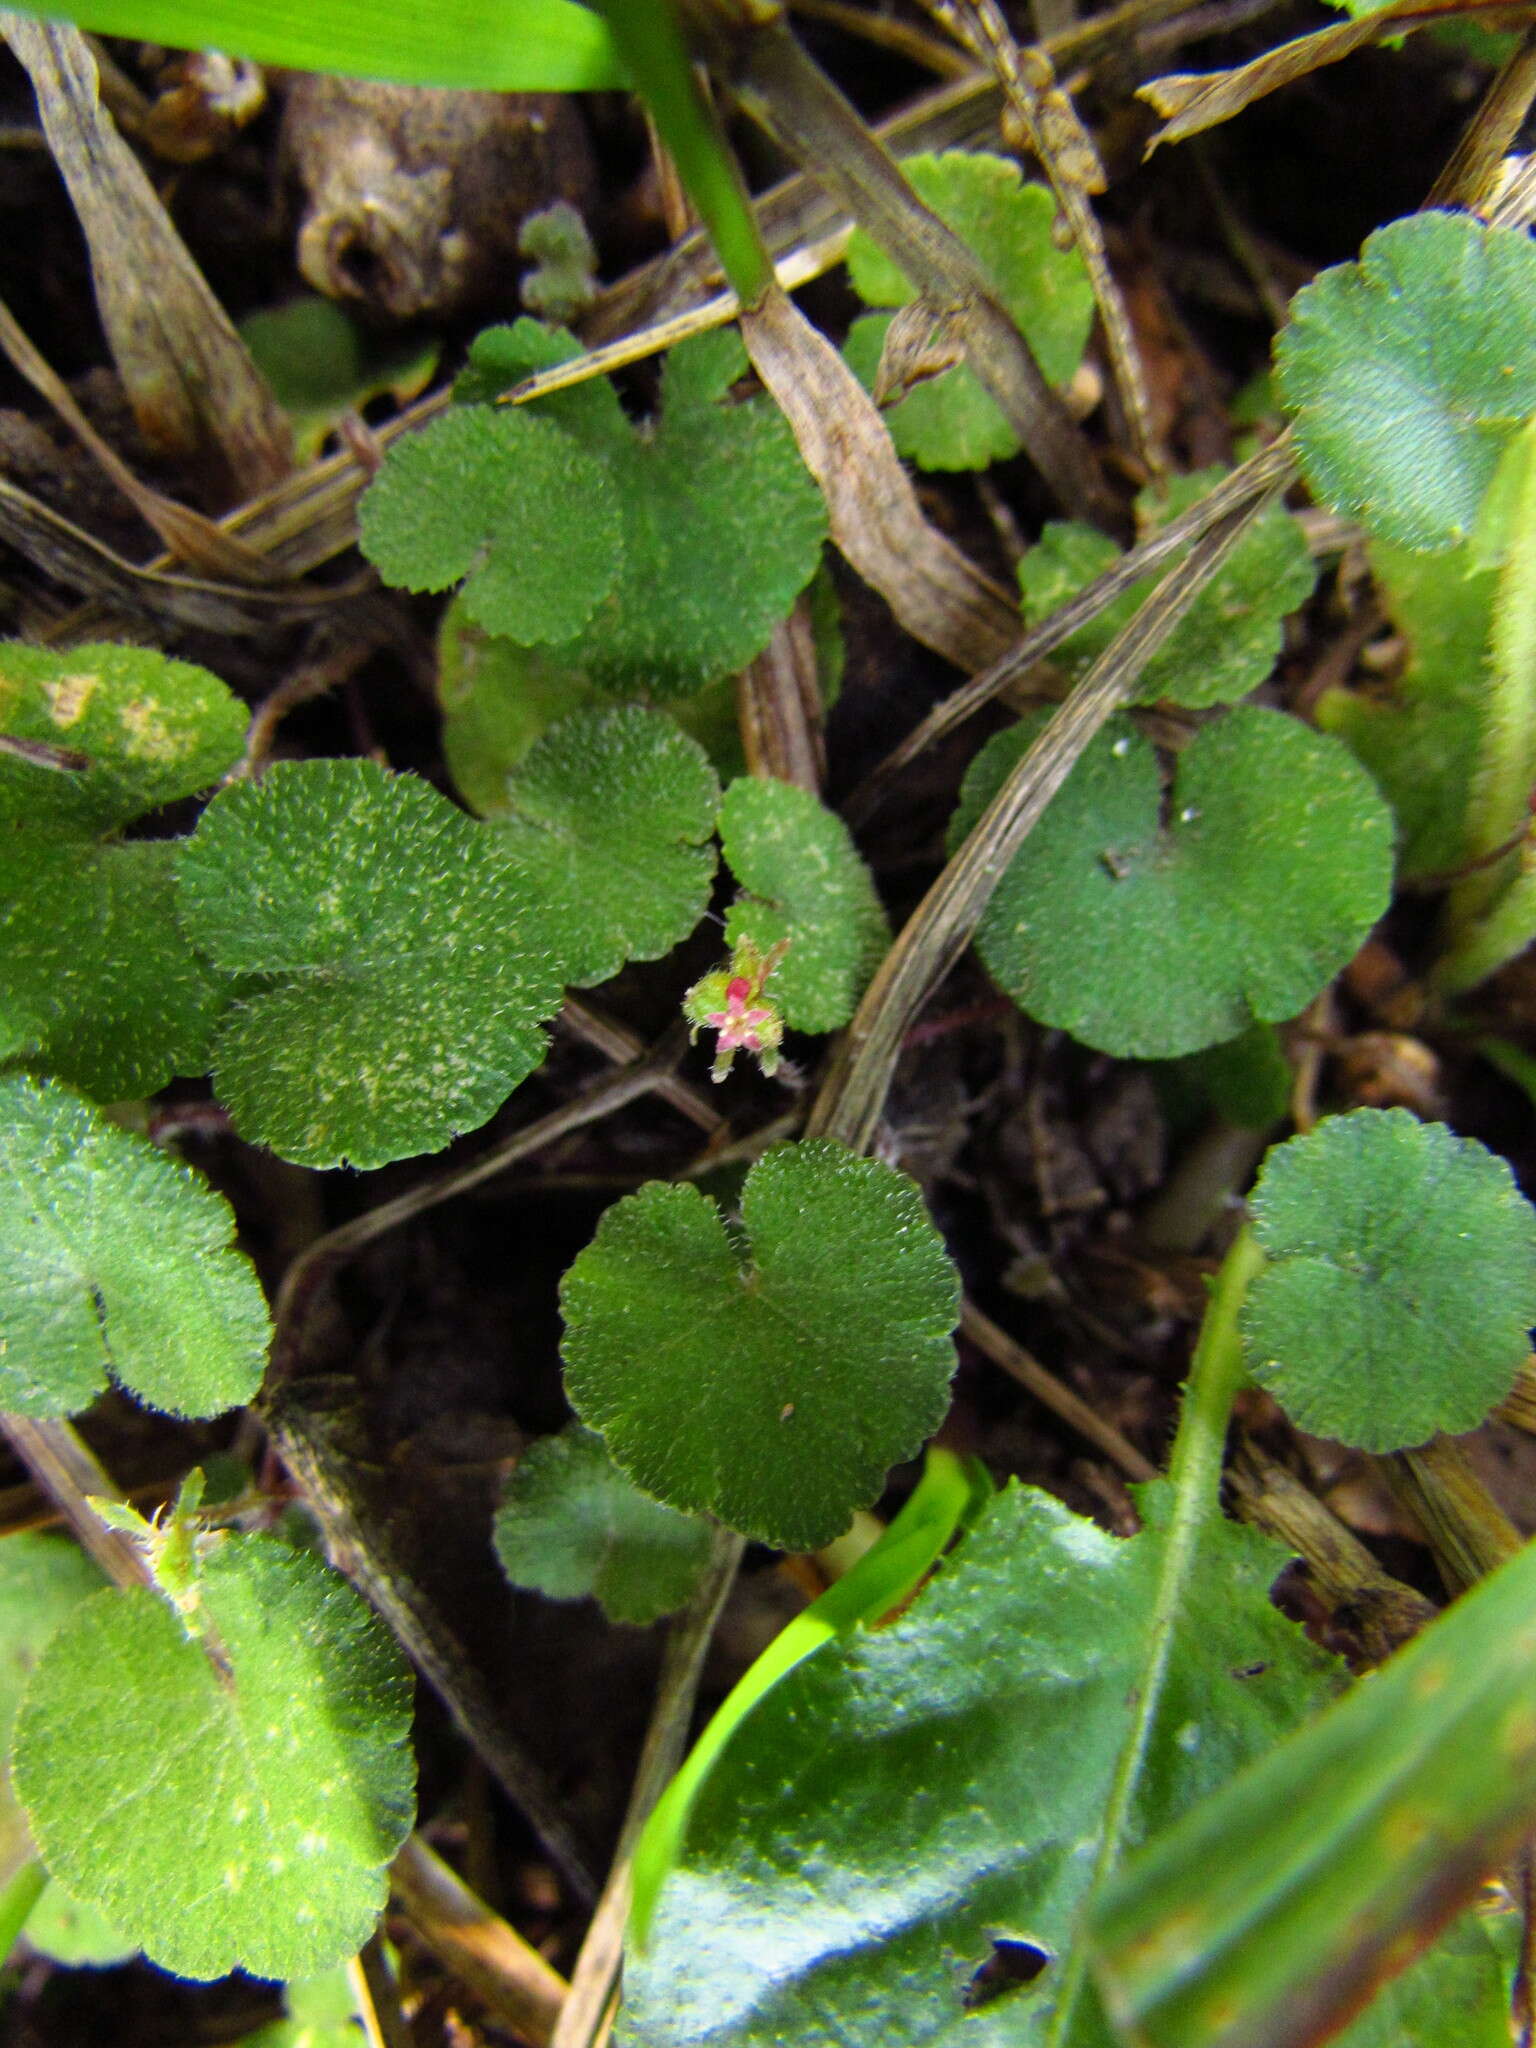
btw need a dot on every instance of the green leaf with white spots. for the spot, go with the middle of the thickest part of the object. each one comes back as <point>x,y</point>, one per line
<point>1399,1288</point>
<point>115,1260</point>
<point>43,1578</point>
<point>949,421</point>
<point>1409,372</point>
<point>97,981</point>
<point>401,968</point>
<point>509,503</point>
<point>607,821</point>
<point>571,1524</point>
<point>1151,923</point>
<point>808,885</point>
<point>223,1818</point>
<point>1229,640</point>
<point>786,1367</point>
<point>719,524</point>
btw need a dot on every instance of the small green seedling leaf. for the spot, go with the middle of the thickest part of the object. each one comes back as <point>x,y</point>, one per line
<point>914,1791</point>
<point>571,1524</point>
<point>1270,1913</point>
<point>97,981</point>
<point>115,1260</point>
<point>1420,737</point>
<point>606,822</point>
<point>774,1394</point>
<point>1150,925</point>
<point>322,364</point>
<point>510,503</point>
<point>563,281</point>
<point>1409,371</point>
<point>227,1814</point>
<point>404,969</point>
<point>1226,644</point>
<point>1400,1280</point>
<point>949,1496</point>
<point>809,889</point>
<point>949,421</point>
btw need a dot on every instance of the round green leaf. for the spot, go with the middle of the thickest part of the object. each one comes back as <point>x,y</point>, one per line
<point>723,528</point>
<point>97,980</point>
<point>405,970</point>
<point>1401,1280</point>
<point>507,500</point>
<point>774,1394</point>
<point>151,729</point>
<point>224,1819</point>
<point>949,422</point>
<point>1151,923</point>
<point>1409,371</point>
<point>607,820</point>
<point>572,1524</point>
<point>113,1258</point>
<point>800,863</point>
<point>1229,640</point>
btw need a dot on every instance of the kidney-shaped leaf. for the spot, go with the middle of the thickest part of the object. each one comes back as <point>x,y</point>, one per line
<point>114,1259</point>
<point>223,1819</point>
<point>774,1393</point>
<point>405,969</point>
<point>572,1524</point>
<point>1151,926</point>
<point>606,820</point>
<point>97,981</point>
<point>949,421</point>
<point>1409,371</point>
<point>1400,1280</point>
<point>809,886</point>
<point>507,501</point>
<point>912,1793</point>
<point>1228,641</point>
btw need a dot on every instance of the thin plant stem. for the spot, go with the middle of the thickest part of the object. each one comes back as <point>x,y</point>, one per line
<point>587,2012</point>
<point>1194,1473</point>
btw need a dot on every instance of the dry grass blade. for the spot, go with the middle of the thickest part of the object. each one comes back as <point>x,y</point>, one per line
<point>1072,1409</point>
<point>1263,473</point>
<point>798,104</point>
<point>588,2011</point>
<point>476,1945</point>
<point>1467,1530</point>
<point>778,706</point>
<point>848,1107</point>
<point>1474,169</point>
<point>1049,122</point>
<point>194,539</point>
<point>194,389</point>
<point>70,556</point>
<point>1378,1610</point>
<point>1189,102</point>
<point>939,596</point>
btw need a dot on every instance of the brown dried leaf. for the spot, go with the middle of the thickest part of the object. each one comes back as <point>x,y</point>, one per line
<point>194,390</point>
<point>940,597</point>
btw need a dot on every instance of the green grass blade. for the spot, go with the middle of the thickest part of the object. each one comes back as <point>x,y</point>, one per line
<point>650,43</point>
<point>1269,1915</point>
<point>513,46</point>
<point>948,1497</point>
